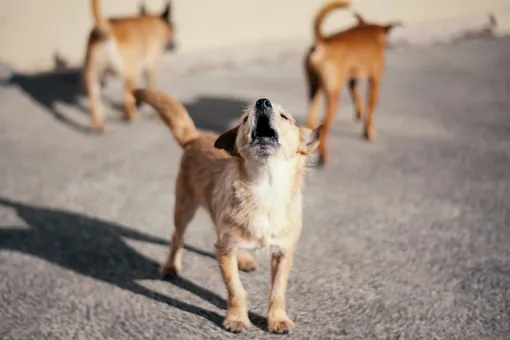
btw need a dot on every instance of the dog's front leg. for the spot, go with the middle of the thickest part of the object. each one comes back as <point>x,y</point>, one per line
<point>277,318</point>
<point>237,311</point>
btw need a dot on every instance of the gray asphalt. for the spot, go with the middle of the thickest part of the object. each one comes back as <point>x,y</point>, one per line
<point>405,238</point>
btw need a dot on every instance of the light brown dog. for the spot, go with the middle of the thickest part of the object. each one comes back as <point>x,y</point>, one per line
<point>249,180</point>
<point>350,55</point>
<point>126,47</point>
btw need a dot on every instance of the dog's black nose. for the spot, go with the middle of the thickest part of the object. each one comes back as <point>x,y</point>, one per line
<point>263,104</point>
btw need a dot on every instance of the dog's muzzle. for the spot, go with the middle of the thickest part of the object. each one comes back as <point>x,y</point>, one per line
<point>264,138</point>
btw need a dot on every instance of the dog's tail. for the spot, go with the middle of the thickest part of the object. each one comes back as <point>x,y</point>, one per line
<point>100,22</point>
<point>323,12</point>
<point>172,112</point>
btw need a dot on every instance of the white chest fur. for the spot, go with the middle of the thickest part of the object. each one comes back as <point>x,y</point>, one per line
<point>272,192</point>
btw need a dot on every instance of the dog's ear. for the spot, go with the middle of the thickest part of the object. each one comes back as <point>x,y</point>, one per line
<point>167,12</point>
<point>309,140</point>
<point>392,25</point>
<point>142,9</point>
<point>227,141</point>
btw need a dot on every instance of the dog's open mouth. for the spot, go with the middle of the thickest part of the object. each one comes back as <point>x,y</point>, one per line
<point>263,137</point>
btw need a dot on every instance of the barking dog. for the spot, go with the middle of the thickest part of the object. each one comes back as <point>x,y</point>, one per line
<point>249,180</point>
<point>126,47</point>
<point>350,55</point>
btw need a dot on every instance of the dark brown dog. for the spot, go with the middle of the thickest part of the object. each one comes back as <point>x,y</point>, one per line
<point>350,55</point>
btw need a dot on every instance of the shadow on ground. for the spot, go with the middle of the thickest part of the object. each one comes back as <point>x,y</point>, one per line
<point>95,248</point>
<point>49,89</point>
<point>62,85</point>
<point>215,114</point>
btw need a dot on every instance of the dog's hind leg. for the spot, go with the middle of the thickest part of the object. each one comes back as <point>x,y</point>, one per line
<point>313,109</point>
<point>373,97</point>
<point>356,98</point>
<point>150,77</point>
<point>332,99</point>
<point>314,96</point>
<point>91,82</point>
<point>185,208</point>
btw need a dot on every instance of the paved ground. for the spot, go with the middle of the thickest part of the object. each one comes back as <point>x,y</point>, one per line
<point>406,238</point>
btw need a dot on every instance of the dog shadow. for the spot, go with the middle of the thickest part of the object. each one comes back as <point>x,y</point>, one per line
<point>95,248</point>
<point>215,114</point>
<point>61,85</point>
<point>64,85</point>
<point>209,113</point>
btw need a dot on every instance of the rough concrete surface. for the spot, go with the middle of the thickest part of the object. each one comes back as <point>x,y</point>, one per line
<point>404,238</point>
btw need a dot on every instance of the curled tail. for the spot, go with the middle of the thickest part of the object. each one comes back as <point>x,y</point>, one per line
<point>99,21</point>
<point>319,18</point>
<point>172,112</point>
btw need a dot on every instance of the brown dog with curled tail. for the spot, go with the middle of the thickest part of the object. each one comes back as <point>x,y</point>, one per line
<point>347,56</point>
<point>125,47</point>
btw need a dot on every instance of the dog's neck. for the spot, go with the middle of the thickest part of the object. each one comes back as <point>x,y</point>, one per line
<point>274,198</point>
<point>274,177</point>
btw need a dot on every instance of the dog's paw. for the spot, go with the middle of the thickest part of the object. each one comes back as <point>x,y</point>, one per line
<point>357,116</point>
<point>169,272</point>
<point>129,113</point>
<point>281,325</point>
<point>321,162</point>
<point>128,118</point>
<point>97,128</point>
<point>369,134</point>
<point>236,323</point>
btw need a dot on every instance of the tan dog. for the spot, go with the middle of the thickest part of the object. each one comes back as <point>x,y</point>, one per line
<point>249,180</point>
<point>350,55</point>
<point>126,47</point>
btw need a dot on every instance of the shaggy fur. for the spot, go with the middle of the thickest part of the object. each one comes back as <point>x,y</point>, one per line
<point>249,180</point>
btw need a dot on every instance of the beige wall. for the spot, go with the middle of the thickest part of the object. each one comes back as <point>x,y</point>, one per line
<point>32,31</point>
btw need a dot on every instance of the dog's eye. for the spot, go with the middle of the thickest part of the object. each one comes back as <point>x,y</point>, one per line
<point>245,119</point>
<point>284,116</point>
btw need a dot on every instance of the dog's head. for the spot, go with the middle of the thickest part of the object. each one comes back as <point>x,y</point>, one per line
<point>166,16</point>
<point>265,132</point>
